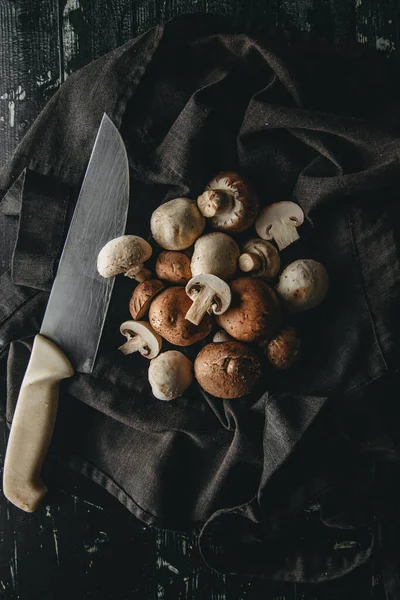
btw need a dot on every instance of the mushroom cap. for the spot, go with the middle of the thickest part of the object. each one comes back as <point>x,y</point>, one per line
<point>254,313</point>
<point>227,369</point>
<point>241,215</point>
<point>142,297</point>
<point>151,341</point>
<point>270,259</point>
<point>222,292</point>
<point>221,336</point>
<point>215,254</point>
<point>288,212</point>
<point>167,317</point>
<point>122,254</point>
<point>176,224</point>
<point>170,374</point>
<point>174,267</point>
<point>303,284</point>
<point>284,349</point>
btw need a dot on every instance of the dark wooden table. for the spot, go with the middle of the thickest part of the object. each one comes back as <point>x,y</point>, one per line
<point>83,544</point>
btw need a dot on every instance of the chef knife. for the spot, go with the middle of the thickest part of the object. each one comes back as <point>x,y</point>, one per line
<point>74,317</point>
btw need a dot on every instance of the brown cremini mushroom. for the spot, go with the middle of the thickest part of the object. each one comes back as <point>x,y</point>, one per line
<point>142,297</point>
<point>209,294</point>
<point>285,349</point>
<point>279,222</point>
<point>215,254</point>
<point>176,224</point>
<point>170,374</point>
<point>227,369</point>
<point>259,258</point>
<point>254,313</point>
<point>303,285</point>
<point>125,254</point>
<point>167,317</point>
<point>229,202</point>
<point>174,267</point>
<point>141,338</point>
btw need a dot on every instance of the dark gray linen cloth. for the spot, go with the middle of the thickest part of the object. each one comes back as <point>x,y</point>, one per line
<point>297,480</point>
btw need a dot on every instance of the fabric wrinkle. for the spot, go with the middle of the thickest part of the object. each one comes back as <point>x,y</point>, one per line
<point>278,480</point>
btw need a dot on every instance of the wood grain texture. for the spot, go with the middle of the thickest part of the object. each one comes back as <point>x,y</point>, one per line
<point>10,90</point>
<point>82,544</point>
<point>180,573</point>
<point>118,22</point>
<point>377,24</point>
<point>29,67</point>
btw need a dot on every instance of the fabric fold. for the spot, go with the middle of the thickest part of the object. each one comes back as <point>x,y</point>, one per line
<point>40,233</point>
<point>283,481</point>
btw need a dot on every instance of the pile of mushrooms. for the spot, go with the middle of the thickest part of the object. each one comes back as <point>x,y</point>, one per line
<point>204,281</point>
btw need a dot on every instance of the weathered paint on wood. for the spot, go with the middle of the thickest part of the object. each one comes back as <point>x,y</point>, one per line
<point>10,89</point>
<point>83,544</point>
<point>80,544</point>
<point>29,67</point>
<point>378,24</point>
<point>179,575</point>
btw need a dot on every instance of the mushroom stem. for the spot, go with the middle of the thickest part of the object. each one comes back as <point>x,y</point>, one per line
<point>249,261</point>
<point>134,344</point>
<point>284,233</point>
<point>211,201</point>
<point>201,305</point>
<point>139,275</point>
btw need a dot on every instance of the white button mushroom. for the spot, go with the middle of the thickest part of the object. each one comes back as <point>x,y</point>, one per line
<point>176,224</point>
<point>279,222</point>
<point>125,254</point>
<point>230,202</point>
<point>260,258</point>
<point>141,338</point>
<point>209,294</point>
<point>303,284</point>
<point>221,336</point>
<point>215,254</point>
<point>170,374</point>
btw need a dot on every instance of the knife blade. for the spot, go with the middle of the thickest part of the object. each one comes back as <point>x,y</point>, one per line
<point>73,322</point>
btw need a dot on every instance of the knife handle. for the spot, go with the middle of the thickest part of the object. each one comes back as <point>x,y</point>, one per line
<point>33,424</point>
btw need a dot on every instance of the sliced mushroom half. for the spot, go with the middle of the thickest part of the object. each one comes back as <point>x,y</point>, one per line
<point>141,337</point>
<point>279,222</point>
<point>209,294</point>
<point>260,259</point>
<point>230,202</point>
